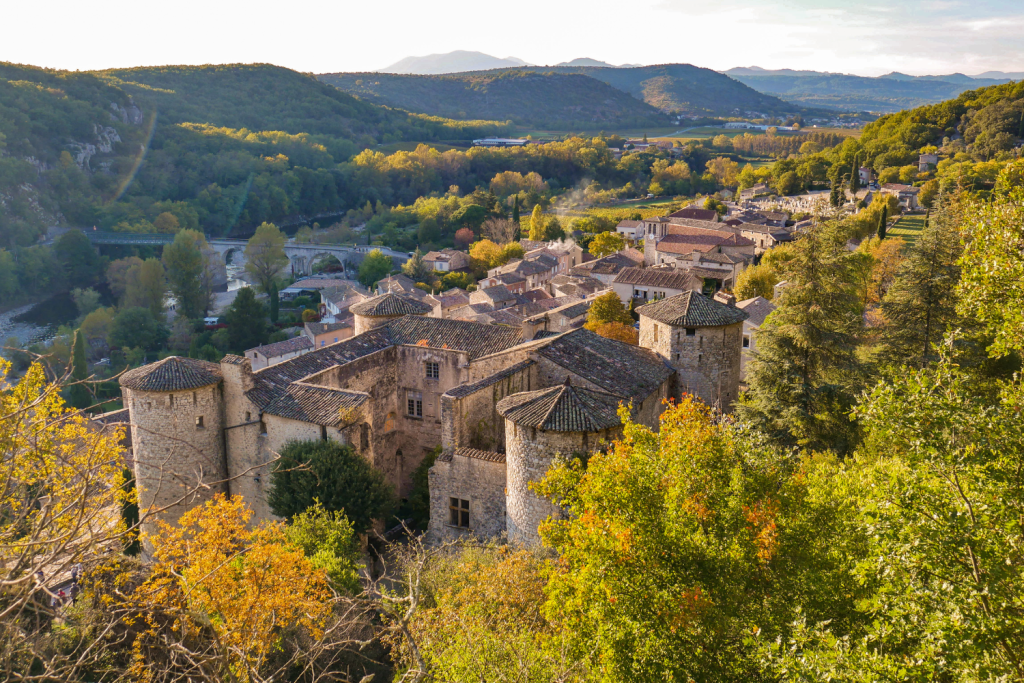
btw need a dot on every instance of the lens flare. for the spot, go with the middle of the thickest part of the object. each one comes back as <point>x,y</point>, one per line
<point>139,158</point>
<point>241,204</point>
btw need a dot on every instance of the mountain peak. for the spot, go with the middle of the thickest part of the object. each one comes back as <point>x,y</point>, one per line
<point>451,62</point>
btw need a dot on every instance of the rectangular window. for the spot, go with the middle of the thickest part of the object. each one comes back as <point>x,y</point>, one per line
<point>746,341</point>
<point>199,421</point>
<point>691,332</point>
<point>433,370</point>
<point>414,404</point>
<point>458,512</point>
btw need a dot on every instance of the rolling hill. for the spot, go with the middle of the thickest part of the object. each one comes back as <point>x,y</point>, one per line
<point>889,93</point>
<point>523,96</point>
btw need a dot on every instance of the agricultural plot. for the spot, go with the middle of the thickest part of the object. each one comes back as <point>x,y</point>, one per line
<point>908,227</point>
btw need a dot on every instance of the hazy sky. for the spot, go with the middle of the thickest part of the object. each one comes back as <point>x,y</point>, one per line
<point>912,36</point>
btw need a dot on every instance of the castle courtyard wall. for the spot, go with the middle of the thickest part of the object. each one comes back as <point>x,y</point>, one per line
<point>469,417</point>
<point>481,482</point>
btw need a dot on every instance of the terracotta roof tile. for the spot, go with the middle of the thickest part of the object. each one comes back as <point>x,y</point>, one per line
<point>317,404</point>
<point>670,278</point>
<point>173,373</point>
<point>390,304</point>
<point>563,408</point>
<point>692,309</point>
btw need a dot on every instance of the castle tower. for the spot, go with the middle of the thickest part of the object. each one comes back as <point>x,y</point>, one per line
<point>538,426</point>
<point>177,423</point>
<point>377,310</point>
<point>702,339</point>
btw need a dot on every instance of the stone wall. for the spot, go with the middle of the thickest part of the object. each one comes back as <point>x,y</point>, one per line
<point>481,482</point>
<point>248,454</point>
<point>529,454</point>
<point>469,417</point>
<point>707,363</point>
<point>365,323</point>
<point>179,462</point>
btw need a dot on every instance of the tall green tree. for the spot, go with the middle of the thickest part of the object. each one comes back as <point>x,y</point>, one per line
<point>79,393</point>
<point>805,373</point>
<point>334,475</point>
<point>855,176</point>
<point>145,284</point>
<point>920,306</point>
<point>81,263</point>
<point>992,286</point>
<point>136,328</point>
<point>264,255</point>
<point>185,265</point>
<point>515,209</point>
<point>375,266</point>
<point>247,321</point>
<point>537,227</point>
<point>274,298</point>
<point>883,222</point>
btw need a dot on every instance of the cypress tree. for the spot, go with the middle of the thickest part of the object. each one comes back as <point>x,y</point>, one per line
<point>834,198</point>
<point>921,303</point>
<point>275,300</point>
<point>515,210</point>
<point>883,221</point>
<point>79,394</point>
<point>855,177</point>
<point>130,516</point>
<point>804,376</point>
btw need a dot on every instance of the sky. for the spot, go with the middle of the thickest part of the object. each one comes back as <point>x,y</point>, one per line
<point>869,38</point>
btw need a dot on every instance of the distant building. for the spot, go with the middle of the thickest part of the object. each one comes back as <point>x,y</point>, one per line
<point>630,229</point>
<point>446,260</point>
<point>906,194</point>
<point>757,308</point>
<point>500,142</point>
<point>322,334</point>
<point>271,354</point>
<point>927,162</point>
<point>697,213</point>
<point>650,284</point>
<point>865,175</point>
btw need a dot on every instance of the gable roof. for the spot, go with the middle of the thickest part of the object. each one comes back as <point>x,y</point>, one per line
<point>670,278</point>
<point>316,404</point>
<point>692,309</point>
<point>282,347</point>
<point>758,308</point>
<point>695,212</point>
<point>628,371</point>
<point>390,303</point>
<point>173,373</point>
<point>497,293</point>
<point>324,328</point>
<point>563,408</point>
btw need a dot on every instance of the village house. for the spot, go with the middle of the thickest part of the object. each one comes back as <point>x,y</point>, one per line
<point>865,175</point>
<point>497,297</point>
<point>563,318</point>
<point>337,300</point>
<point>927,162</point>
<point>631,230</point>
<point>905,194</point>
<point>696,213</point>
<point>271,354</point>
<point>574,285</point>
<point>764,237</point>
<point>445,302</point>
<point>757,309</point>
<point>447,261</point>
<point>755,191</point>
<point>517,284</point>
<point>606,268</point>
<point>567,251</point>
<point>666,242</point>
<point>659,282</point>
<point>324,333</point>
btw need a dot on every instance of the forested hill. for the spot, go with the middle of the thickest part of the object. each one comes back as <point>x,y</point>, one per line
<point>846,92</point>
<point>526,97</point>
<point>217,146</point>
<point>682,88</point>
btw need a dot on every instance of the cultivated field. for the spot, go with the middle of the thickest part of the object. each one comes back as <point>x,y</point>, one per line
<point>908,227</point>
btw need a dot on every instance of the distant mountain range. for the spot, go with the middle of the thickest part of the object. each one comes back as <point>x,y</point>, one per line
<point>891,92</point>
<point>461,61</point>
<point>569,96</point>
<point>450,62</point>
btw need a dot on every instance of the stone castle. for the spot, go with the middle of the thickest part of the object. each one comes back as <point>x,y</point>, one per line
<point>501,402</point>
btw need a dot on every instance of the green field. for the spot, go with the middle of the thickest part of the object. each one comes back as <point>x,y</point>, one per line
<point>908,227</point>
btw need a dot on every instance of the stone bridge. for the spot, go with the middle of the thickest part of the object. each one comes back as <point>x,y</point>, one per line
<point>301,257</point>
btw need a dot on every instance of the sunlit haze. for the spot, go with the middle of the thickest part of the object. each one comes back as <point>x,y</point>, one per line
<point>914,36</point>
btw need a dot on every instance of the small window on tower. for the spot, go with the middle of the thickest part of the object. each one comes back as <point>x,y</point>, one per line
<point>691,332</point>
<point>458,512</point>
<point>248,416</point>
<point>746,341</point>
<point>199,422</point>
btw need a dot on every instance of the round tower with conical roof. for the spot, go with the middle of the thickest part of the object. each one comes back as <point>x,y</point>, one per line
<point>702,339</point>
<point>539,425</point>
<point>378,310</point>
<point>177,429</point>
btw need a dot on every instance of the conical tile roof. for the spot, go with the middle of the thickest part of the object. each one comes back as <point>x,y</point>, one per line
<point>564,408</point>
<point>390,303</point>
<point>692,309</point>
<point>173,373</point>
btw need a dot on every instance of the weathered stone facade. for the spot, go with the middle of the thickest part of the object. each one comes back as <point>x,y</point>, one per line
<point>475,477</point>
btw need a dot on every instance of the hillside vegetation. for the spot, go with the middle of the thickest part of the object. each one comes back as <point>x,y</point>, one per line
<point>846,92</point>
<point>220,147</point>
<point>546,100</point>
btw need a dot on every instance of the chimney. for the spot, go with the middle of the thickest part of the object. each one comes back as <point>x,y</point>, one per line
<point>724,297</point>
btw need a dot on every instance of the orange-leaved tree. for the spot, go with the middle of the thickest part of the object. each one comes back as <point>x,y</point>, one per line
<point>222,596</point>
